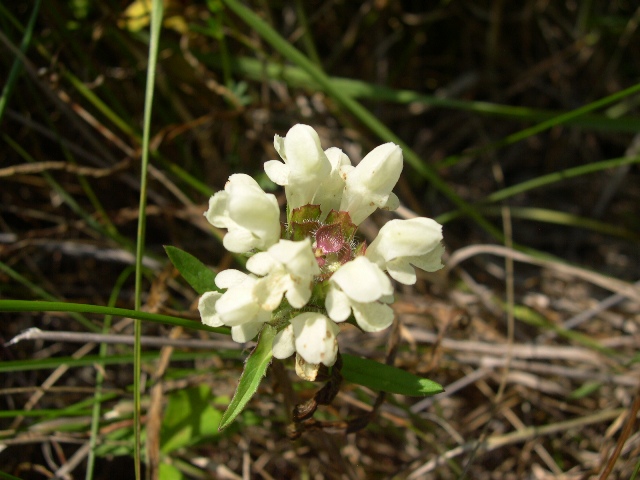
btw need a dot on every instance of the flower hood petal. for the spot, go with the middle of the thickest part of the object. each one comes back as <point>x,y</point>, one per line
<point>362,281</point>
<point>369,184</point>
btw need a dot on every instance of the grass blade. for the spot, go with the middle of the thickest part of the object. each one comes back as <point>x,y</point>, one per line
<point>15,68</point>
<point>156,23</point>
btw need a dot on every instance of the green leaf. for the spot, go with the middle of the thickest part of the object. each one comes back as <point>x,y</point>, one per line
<point>189,418</point>
<point>169,472</point>
<point>585,390</point>
<point>8,476</point>
<point>254,371</point>
<point>379,376</point>
<point>197,274</point>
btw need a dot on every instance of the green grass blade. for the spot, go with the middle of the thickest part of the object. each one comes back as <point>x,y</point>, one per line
<point>307,37</point>
<point>17,63</point>
<point>44,294</point>
<point>95,414</point>
<point>561,119</point>
<point>296,77</point>
<point>551,178</point>
<point>42,306</point>
<point>7,476</point>
<point>554,217</point>
<point>156,24</point>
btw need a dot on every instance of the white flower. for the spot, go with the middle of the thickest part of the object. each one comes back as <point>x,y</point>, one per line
<point>360,286</point>
<point>284,343</point>
<point>329,194</point>
<point>288,268</point>
<point>251,216</point>
<point>402,244</point>
<point>313,336</point>
<point>305,165</point>
<point>368,185</point>
<point>236,308</point>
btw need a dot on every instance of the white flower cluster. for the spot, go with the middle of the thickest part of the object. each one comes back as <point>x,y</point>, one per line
<point>315,264</point>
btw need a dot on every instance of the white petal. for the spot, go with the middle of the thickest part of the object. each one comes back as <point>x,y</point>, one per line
<point>230,278</point>
<point>241,179</point>
<point>345,171</point>
<point>337,158</point>
<point>278,144</point>
<point>297,257</point>
<point>369,185</point>
<point>362,281</point>
<point>239,240</point>
<point>401,271</point>
<point>277,172</point>
<point>262,263</point>
<point>217,213</point>
<point>373,317</point>
<point>308,165</point>
<point>207,309</point>
<point>289,268</point>
<point>329,193</point>
<point>393,202</point>
<point>268,291</point>
<point>404,238</point>
<point>303,150</point>
<point>316,340</point>
<point>403,243</point>
<point>256,211</point>
<point>299,292</point>
<point>337,305</point>
<point>245,332</point>
<point>431,261</point>
<point>284,343</point>
<point>251,216</point>
<point>381,168</point>
<point>237,305</point>
<point>389,299</point>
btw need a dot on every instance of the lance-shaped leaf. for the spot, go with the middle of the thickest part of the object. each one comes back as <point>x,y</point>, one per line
<point>197,274</point>
<point>385,378</point>
<point>254,370</point>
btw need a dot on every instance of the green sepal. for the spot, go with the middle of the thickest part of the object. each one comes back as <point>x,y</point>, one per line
<point>304,222</point>
<point>306,213</point>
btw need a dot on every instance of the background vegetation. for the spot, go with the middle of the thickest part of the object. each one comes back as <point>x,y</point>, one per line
<point>519,124</point>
